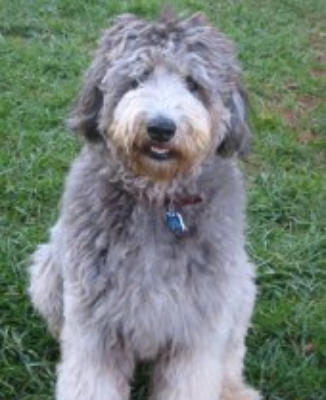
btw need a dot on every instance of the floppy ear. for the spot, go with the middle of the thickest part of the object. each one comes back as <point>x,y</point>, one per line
<point>220,54</point>
<point>84,115</point>
<point>237,137</point>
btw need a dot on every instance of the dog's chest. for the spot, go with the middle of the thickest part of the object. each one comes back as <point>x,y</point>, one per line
<point>160,283</point>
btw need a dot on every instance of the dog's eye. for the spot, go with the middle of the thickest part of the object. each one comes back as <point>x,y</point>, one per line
<point>145,75</point>
<point>192,85</point>
<point>134,84</point>
<point>137,81</point>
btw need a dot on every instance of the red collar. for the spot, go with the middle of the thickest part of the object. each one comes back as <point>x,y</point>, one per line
<point>181,201</point>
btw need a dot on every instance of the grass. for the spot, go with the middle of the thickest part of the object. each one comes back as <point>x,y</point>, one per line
<point>44,47</point>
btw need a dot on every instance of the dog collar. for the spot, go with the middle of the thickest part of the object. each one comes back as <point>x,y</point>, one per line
<point>180,201</point>
<point>174,219</point>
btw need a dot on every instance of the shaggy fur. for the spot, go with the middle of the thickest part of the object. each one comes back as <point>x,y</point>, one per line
<point>114,283</point>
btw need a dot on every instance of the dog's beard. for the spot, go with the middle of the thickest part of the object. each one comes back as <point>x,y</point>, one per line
<point>160,161</point>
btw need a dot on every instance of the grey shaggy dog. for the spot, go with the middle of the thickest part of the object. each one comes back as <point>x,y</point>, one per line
<point>147,259</point>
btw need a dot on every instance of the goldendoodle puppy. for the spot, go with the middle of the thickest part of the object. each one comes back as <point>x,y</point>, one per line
<point>147,259</point>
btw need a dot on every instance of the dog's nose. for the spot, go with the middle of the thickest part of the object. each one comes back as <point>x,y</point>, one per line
<point>161,129</point>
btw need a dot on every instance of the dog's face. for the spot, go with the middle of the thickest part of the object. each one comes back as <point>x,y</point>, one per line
<point>164,96</point>
<point>160,125</point>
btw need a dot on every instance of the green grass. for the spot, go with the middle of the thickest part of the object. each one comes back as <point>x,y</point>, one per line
<point>44,47</point>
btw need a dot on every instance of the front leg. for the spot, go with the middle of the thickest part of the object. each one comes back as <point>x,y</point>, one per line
<point>91,372</point>
<point>191,374</point>
<point>234,386</point>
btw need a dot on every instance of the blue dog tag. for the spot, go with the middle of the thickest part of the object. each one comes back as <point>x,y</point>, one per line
<point>175,222</point>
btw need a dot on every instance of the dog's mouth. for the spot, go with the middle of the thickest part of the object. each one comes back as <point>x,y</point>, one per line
<point>158,152</point>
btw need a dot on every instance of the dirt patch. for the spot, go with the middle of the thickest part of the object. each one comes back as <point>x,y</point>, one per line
<point>308,103</point>
<point>320,56</point>
<point>309,348</point>
<point>292,86</point>
<point>318,43</point>
<point>290,117</point>
<point>305,104</point>
<point>306,137</point>
<point>318,72</point>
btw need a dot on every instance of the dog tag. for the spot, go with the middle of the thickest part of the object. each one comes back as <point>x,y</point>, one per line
<point>175,222</point>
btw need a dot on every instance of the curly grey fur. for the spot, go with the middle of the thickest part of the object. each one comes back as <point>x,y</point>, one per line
<point>114,283</point>
<point>208,53</point>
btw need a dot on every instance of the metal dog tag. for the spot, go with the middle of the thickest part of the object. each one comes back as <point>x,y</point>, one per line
<point>175,222</point>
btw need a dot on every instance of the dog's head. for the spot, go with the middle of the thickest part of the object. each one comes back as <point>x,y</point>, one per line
<point>164,96</point>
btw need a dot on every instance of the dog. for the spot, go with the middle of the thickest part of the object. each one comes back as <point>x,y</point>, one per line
<point>147,260</point>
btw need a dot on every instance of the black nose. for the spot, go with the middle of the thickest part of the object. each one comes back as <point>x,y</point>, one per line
<point>161,129</point>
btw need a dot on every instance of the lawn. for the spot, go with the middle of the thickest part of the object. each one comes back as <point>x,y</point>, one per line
<point>44,47</point>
